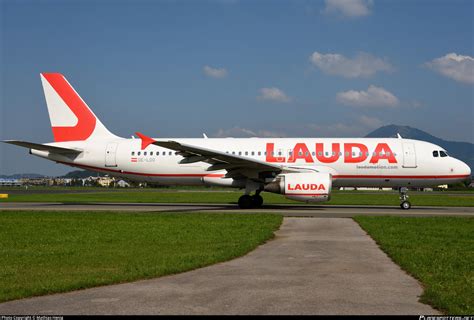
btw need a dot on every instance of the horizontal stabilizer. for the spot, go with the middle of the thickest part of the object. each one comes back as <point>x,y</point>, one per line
<point>44,147</point>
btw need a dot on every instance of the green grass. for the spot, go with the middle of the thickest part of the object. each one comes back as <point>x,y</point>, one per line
<point>338,198</point>
<point>50,252</point>
<point>438,251</point>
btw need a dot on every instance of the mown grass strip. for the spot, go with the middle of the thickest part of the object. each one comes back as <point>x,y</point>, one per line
<point>50,252</point>
<point>437,251</point>
<point>338,198</point>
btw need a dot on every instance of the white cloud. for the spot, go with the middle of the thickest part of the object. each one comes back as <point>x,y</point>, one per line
<point>273,94</point>
<point>457,67</point>
<point>373,97</point>
<point>349,8</point>
<point>362,65</point>
<point>238,132</point>
<point>215,72</point>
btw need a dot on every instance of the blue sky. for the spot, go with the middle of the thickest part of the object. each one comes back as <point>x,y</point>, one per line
<point>238,68</point>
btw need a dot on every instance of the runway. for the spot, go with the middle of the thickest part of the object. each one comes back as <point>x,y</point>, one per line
<point>321,211</point>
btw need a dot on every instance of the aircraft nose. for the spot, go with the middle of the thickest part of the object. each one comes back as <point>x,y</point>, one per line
<point>465,170</point>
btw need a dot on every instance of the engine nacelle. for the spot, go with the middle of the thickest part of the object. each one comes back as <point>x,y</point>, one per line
<point>306,187</point>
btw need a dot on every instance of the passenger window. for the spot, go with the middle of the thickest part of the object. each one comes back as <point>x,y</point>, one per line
<point>169,153</point>
<point>144,153</point>
<point>435,154</point>
<point>246,153</point>
<point>164,153</point>
<point>133,153</point>
<point>443,154</point>
<point>314,153</point>
<point>233,152</point>
<point>138,153</point>
<point>253,153</point>
<point>259,153</point>
<point>240,153</point>
<point>151,153</point>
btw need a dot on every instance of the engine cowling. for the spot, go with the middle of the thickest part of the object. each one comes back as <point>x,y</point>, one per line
<point>305,187</point>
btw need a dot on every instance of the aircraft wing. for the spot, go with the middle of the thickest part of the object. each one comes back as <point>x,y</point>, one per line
<point>44,147</point>
<point>236,166</point>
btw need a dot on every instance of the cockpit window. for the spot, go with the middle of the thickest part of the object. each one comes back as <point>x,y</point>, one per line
<point>435,154</point>
<point>443,153</point>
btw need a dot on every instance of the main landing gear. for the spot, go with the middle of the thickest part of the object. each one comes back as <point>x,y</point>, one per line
<point>247,201</point>
<point>404,203</point>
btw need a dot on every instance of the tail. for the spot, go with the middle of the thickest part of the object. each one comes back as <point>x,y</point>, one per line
<point>71,118</point>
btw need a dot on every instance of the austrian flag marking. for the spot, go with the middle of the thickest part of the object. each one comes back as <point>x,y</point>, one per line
<point>133,160</point>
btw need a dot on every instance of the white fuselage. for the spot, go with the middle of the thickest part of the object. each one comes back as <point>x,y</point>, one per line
<point>355,162</point>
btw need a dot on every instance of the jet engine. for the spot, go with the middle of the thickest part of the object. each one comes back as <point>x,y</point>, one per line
<point>305,187</point>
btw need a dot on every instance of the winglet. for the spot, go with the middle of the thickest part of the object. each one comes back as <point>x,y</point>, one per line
<point>399,136</point>
<point>146,141</point>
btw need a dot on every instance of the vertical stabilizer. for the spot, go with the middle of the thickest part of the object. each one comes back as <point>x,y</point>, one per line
<point>71,118</point>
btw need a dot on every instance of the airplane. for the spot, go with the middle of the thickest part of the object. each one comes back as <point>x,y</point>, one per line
<point>301,169</point>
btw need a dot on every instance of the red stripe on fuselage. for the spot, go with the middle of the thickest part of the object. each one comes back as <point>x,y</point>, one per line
<point>218,175</point>
<point>185,175</point>
<point>398,177</point>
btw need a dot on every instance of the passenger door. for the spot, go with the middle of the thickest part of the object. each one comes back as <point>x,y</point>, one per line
<point>409,155</point>
<point>111,155</point>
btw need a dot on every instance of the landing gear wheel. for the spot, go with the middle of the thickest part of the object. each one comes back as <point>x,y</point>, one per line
<point>245,202</point>
<point>257,201</point>
<point>405,205</point>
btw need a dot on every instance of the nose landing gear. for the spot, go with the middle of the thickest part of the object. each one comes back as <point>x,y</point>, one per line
<point>404,203</point>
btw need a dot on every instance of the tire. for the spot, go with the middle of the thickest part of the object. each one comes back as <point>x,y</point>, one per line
<point>405,205</point>
<point>245,202</point>
<point>257,201</point>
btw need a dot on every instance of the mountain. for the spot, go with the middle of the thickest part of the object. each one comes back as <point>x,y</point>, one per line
<point>21,176</point>
<point>77,174</point>
<point>80,174</point>
<point>462,150</point>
